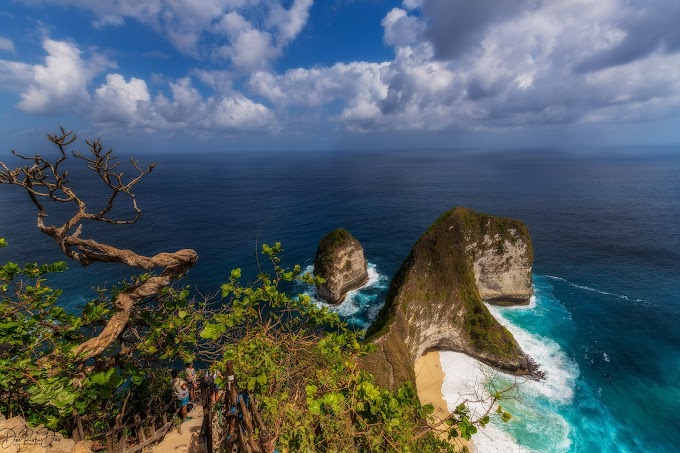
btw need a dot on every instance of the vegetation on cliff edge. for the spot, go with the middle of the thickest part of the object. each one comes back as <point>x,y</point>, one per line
<point>112,355</point>
<point>441,255</point>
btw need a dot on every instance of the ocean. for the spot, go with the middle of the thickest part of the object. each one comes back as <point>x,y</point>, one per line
<point>604,321</point>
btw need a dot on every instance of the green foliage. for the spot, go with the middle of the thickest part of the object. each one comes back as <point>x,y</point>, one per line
<point>299,360</point>
<point>301,363</point>
<point>42,379</point>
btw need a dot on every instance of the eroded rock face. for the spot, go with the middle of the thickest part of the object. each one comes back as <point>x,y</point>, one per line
<point>502,267</point>
<point>435,299</point>
<point>340,261</point>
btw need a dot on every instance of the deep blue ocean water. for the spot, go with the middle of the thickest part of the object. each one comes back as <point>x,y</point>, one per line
<point>605,226</point>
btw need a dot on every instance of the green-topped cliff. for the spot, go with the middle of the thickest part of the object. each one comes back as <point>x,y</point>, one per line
<point>340,261</point>
<point>434,300</point>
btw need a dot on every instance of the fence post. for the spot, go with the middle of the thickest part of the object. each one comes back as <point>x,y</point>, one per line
<point>141,436</point>
<point>110,445</point>
<point>77,427</point>
<point>205,438</point>
<point>248,426</point>
<point>152,425</point>
<point>266,443</point>
<point>231,398</point>
<point>118,444</point>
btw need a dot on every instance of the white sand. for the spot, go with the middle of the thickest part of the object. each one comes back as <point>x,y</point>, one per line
<point>429,384</point>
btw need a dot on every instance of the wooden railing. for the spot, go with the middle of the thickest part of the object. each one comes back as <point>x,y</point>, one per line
<point>141,432</point>
<point>205,436</point>
<point>236,421</point>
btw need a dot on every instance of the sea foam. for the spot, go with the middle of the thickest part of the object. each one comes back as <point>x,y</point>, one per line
<point>537,423</point>
<point>598,291</point>
<point>464,383</point>
<point>561,371</point>
<point>360,301</point>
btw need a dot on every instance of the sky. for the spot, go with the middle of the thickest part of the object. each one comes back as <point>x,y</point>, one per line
<point>288,74</point>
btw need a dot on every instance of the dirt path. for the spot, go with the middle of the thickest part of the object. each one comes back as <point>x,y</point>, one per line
<point>185,438</point>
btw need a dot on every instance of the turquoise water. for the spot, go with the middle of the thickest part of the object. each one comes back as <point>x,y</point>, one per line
<point>605,325</point>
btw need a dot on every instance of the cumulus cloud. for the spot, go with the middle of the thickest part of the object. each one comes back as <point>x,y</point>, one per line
<point>14,75</point>
<point>63,80</point>
<point>6,45</point>
<point>118,100</point>
<point>457,25</point>
<point>248,33</point>
<point>456,65</point>
<point>131,106</point>
<point>64,84</point>
<point>400,28</point>
<point>484,65</point>
<point>319,86</point>
<point>648,27</point>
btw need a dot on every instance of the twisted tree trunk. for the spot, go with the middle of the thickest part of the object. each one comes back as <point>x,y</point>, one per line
<point>44,180</point>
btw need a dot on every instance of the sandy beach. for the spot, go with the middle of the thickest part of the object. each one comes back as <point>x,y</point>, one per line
<point>429,381</point>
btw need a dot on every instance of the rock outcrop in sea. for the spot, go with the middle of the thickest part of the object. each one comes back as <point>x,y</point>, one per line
<point>435,299</point>
<point>340,261</point>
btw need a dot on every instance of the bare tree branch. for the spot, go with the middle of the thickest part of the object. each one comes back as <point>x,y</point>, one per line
<point>44,180</point>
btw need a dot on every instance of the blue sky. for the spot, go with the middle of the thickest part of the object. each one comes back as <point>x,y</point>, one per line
<point>282,74</point>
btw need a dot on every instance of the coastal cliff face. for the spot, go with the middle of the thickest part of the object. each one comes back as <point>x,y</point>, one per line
<point>340,261</point>
<point>435,299</point>
<point>502,265</point>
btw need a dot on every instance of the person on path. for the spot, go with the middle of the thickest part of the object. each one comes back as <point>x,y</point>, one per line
<point>179,388</point>
<point>212,386</point>
<point>191,381</point>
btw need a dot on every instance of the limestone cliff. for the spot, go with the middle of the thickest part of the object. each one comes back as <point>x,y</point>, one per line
<point>340,261</point>
<point>503,257</point>
<point>435,299</point>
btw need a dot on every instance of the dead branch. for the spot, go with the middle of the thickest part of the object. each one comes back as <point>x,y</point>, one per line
<point>44,180</point>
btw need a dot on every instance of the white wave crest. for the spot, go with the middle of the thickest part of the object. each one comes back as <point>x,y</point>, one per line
<point>595,290</point>
<point>464,375</point>
<point>354,300</point>
<point>464,379</point>
<point>561,372</point>
<point>532,302</point>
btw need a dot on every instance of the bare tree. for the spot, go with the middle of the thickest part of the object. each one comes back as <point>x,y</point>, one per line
<point>45,181</point>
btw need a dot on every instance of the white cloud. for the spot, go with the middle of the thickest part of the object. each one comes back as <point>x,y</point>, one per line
<point>62,82</point>
<point>187,107</point>
<point>318,86</point>
<point>526,64</point>
<point>6,45</point>
<point>400,28</point>
<point>251,49</point>
<point>239,113</point>
<point>15,76</point>
<point>249,33</point>
<point>521,71</point>
<point>412,4</point>
<point>218,80</point>
<point>289,22</point>
<point>119,101</point>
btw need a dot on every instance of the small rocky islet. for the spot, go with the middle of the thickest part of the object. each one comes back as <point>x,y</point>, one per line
<point>340,261</point>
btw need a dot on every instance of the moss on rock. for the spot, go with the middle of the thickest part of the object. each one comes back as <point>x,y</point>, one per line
<point>433,300</point>
<point>340,261</point>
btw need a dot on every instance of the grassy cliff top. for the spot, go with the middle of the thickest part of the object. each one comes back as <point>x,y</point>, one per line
<point>439,270</point>
<point>327,247</point>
